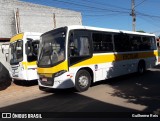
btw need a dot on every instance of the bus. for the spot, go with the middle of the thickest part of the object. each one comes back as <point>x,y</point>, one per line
<point>77,56</point>
<point>23,50</point>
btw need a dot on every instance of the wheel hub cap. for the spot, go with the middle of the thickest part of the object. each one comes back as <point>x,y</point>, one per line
<point>83,81</point>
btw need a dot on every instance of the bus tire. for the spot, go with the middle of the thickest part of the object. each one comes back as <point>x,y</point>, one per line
<point>141,67</point>
<point>82,81</point>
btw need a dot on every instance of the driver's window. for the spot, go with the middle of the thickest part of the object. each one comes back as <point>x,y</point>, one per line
<point>19,50</point>
<point>32,49</point>
<point>79,46</point>
<point>35,49</point>
<point>71,45</point>
<point>84,46</point>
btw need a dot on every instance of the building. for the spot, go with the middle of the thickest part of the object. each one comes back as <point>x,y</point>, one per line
<point>17,16</point>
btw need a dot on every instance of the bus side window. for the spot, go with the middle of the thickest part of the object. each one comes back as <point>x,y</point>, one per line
<point>79,46</point>
<point>153,43</point>
<point>102,42</point>
<point>72,46</point>
<point>122,42</point>
<point>148,43</point>
<point>97,40</point>
<point>119,45</point>
<point>135,43</point>
<point>145,45</point>
<point>84,46</point>
<point>19,50</point>
<point>107,44</point>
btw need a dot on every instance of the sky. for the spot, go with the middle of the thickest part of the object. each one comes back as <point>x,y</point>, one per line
<point>114,14</point>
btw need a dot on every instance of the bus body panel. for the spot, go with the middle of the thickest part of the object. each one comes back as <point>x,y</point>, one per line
<point>61,82</point>
<point>24,70</point>
<point>103,65</point>
<point>17,72</point>
<point>102,69</point>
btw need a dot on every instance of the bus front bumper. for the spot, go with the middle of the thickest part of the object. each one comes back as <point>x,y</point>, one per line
<point>27,75</point>
<point>60,82</point>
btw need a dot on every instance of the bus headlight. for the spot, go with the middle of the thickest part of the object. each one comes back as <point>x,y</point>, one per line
<point>60,73</point>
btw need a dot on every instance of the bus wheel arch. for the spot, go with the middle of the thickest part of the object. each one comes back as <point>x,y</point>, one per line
<point>83,79</point>
<point>141,68</point>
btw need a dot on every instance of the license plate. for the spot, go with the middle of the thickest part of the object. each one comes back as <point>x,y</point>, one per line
<point>44,79</point>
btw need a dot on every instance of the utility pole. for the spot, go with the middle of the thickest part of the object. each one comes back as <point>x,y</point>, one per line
<point>133,14</point>
<point>17,20</point>
<point>54,20</point>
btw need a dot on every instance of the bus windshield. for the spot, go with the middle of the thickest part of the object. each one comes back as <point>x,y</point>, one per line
<point>52,47</point>
<point>16,52</point>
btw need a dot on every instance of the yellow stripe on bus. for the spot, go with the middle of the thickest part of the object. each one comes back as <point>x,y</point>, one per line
<point>17,37</point>
<point>59,67</point>
<point>26,64</point>
<point>97,59</point>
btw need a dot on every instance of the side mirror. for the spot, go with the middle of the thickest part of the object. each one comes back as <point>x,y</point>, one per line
<point>2,47</point>
<point>6,56</point>
<point>5,48</point>
<point>28,49</point>
<point>35,46</point>
<point>72,50</point>
<point>2,50</point>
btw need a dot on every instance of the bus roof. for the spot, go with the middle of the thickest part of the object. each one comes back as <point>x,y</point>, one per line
<point>19,36</point>
<point>107,30</point>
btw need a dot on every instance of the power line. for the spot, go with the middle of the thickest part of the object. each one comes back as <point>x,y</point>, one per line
<point>148,15</point>
<point>82,5</point>
<point>96,8</point>
<point>150,21</point>
<point>140,3</point>
<point>97,15</point>
<point>99,9</point>
<point>105,4</point>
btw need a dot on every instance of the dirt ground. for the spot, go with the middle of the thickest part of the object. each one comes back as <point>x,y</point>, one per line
<point>130,93</point>
<point>19,91</point>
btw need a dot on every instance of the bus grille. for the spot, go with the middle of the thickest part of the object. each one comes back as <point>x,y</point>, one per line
<point>49,82</point>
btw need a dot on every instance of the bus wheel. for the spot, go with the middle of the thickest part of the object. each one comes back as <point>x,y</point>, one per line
<point>82,81</point>
<point>141,67</point>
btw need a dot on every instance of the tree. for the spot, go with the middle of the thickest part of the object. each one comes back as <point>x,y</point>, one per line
<point>141,31</point>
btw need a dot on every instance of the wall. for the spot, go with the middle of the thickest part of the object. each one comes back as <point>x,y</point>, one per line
<point>34,17</point>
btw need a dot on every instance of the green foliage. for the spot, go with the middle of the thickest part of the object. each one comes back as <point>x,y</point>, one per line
<point>141,31</point>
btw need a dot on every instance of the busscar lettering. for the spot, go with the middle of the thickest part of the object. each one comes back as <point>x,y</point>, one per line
<point>130,56</point>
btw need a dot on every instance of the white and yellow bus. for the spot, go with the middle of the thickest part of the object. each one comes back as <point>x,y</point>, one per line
<point>23,50</point>
<point>76,56</point>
